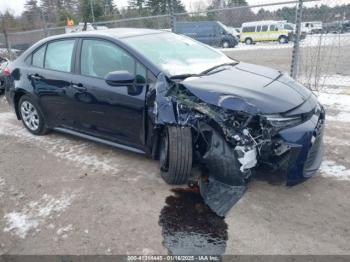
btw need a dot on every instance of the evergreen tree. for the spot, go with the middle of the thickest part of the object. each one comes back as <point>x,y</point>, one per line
<point>161,7</point>
<point>137,4</point>
<point>85,9</point>
<point>31,14</point>
<point>109,8</point>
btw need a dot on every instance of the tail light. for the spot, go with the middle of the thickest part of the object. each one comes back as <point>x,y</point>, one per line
<point>6,71</point>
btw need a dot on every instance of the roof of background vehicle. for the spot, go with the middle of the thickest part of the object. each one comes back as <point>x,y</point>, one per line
<point>261,22</point>
<point>119,32</point>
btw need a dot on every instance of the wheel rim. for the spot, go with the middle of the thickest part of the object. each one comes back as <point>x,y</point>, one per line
<point>30,115</point>
<point>164,153</point>
<point>282,40</point>
<point>248,41</point>
<point>225,45</point>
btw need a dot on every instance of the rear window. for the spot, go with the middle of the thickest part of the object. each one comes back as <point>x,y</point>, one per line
<point>38,57</point>
<point>59,55</point>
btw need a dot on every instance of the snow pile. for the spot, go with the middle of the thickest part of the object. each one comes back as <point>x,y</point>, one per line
<point>35,213</point>
<point>330,168</point>
<point>337,99</point>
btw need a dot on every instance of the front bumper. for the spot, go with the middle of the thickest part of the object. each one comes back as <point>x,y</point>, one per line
<point>306,148</point>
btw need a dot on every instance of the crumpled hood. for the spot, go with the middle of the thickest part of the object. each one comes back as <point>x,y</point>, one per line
<point>249,88</point>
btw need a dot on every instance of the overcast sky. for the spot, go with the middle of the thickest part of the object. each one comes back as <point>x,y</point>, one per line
<point>17,6</point>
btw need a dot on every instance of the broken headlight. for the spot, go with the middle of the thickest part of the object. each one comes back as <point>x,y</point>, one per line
<point>280,122</point>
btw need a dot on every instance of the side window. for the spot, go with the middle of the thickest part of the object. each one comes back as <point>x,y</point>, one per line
<point>98,58</point>
<point>258,28</point>
<point>273,28</point>
<point>264,28</point>
<point>38,57</point>
<point>59,55</point>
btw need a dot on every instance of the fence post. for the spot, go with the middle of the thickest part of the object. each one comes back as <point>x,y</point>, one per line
<point>43,20</point>
<point>172,16</point>
<point>4,31</point>
<point>296,47</point>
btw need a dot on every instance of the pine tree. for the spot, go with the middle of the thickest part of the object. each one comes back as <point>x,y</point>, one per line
<point>85,9</point>
<point>160,7</point>
<point>137,4</point>
<point>51,10</point>
<point>109,8</point>
<point>31,14</point>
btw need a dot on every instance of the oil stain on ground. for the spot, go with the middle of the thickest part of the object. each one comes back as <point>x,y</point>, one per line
<point>189,227</point>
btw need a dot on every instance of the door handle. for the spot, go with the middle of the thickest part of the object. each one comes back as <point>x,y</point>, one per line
<point>79,87</point>
<point>36,77</point>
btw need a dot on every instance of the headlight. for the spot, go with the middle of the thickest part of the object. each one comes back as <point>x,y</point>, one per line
<point>280,122</point>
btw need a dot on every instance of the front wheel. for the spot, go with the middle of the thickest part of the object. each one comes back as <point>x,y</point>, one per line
<point>31,116</point>
<point>225,44</point>
<point>176,154</point>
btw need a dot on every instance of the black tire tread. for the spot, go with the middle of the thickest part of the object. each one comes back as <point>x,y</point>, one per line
<point>180,155</point>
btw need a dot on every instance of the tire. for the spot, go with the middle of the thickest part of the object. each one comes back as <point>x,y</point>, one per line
<point>248,41</point>
<point>31,116</point>
<point>282,40</point>
<point>225,44</point>
<point>176,155</point>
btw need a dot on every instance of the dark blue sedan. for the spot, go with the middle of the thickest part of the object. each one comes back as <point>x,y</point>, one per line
<point>172,98</point>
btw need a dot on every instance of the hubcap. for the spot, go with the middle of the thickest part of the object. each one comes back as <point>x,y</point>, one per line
<point>30,115</point>
<point>225,45</point>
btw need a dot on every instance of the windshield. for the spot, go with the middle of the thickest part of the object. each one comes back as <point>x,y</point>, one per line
<point>175,54</point>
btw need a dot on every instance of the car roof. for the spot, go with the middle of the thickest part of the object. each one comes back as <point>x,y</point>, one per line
<point>117,33</point>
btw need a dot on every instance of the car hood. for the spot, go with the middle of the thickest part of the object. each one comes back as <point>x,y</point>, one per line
<point>249,88</point>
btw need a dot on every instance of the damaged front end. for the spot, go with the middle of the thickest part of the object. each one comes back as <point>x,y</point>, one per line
<point>233,138</point>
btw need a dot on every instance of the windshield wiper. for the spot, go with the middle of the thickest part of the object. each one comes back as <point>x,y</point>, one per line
<point>183,76</point>
<point>217,66</point>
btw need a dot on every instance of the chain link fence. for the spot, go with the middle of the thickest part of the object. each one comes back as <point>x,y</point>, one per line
<point>320,57</point>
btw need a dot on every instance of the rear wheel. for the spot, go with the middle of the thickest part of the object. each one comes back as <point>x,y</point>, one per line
<point>176,154</point>
<point>248,41</point>
<point>283,40</point>
<point>31,116</point>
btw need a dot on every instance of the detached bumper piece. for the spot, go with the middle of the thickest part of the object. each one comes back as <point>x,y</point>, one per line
<point>220,197</point>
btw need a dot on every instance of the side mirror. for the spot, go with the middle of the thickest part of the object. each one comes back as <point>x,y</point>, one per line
<point>119,78</point>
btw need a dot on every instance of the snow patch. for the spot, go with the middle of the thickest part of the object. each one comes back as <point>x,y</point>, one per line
<point>35,213</point>
<point>341,117</point>
<point>66,229</point>
<point>330,168</point>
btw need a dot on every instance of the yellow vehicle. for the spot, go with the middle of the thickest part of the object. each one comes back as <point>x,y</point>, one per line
<point>260,31</point>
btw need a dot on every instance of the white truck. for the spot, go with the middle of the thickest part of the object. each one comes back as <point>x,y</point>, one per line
<point>313,27</point>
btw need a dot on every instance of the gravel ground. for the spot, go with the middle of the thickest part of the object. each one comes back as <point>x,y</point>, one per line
<point>63,195</point>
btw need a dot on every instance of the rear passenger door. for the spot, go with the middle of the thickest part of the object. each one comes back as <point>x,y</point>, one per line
<point>50,76</point>
<point>111,112</point>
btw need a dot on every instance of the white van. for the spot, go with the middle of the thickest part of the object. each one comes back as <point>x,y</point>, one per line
<point>260,31</point>
<point>315,27</point>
